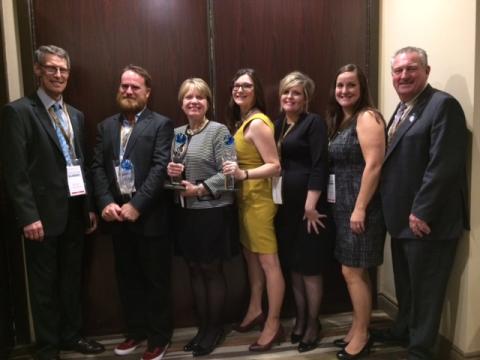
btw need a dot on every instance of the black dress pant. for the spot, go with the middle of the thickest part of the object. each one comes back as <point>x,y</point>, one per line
<point>143,266</point>
<point>54,268</point>
<point>421,271</point>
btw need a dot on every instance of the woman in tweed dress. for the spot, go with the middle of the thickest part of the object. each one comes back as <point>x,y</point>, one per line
<point>356,151</point>
<point>204,225</point>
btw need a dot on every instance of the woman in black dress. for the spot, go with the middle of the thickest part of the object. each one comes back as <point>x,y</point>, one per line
<point>356,152</point>
<point>300,223</point>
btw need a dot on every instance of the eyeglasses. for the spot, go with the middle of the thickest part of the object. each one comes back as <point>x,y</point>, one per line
<point>244,86</point>
<point>52,70</point>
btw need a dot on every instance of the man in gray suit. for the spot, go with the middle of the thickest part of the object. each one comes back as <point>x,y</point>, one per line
<point>47,184</point>
<point>424,194</point>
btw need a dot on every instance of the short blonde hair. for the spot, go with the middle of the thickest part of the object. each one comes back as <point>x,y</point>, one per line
<point>198,84</point>
<point>297,78</point>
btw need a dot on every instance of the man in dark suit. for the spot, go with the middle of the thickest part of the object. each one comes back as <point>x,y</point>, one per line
<point>139,139</point>
<point>424,194</point>
<point>47,184</point>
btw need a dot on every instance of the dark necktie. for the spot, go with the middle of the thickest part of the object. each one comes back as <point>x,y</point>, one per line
<point>397,120</point>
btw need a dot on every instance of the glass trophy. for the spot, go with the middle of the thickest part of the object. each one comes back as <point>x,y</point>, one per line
<point>178,152</point>
<point>229,154</point>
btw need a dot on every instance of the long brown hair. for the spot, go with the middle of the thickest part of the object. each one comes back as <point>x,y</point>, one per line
<point>334,110</point>
<point>233,110</point>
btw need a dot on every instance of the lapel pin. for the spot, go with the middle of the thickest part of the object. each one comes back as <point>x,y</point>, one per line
<point>411,118</point>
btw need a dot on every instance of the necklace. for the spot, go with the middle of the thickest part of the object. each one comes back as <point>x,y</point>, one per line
<point>192,132</point>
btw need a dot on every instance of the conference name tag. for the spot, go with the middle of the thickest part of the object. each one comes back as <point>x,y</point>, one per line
<point>331,189</point>
<point>277,190</point>
<point>76,185</point>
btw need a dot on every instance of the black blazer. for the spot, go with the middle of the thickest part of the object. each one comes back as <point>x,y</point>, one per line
<point>34,167</point>
<point>424,170</point>
<point>149,150</point>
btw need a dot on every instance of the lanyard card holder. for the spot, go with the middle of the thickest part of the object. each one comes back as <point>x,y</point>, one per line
<point>75,178</point>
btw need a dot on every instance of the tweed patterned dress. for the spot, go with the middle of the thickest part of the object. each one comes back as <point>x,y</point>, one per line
<point>346,160</point>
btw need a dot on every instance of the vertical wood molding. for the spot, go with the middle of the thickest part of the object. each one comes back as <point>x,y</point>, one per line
<point>211,56</point>
<point>372,53</point>
<point>26,24</point>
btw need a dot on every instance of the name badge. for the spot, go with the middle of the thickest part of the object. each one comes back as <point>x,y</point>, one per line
<point>277,190</point>
<point>76,185</point>
<point>331,189</point>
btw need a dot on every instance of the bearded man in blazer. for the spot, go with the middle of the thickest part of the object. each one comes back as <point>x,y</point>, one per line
<point>424,192</point>
<point>52,211</point>
<point>138,221</point>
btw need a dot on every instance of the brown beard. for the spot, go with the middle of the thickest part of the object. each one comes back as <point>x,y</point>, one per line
<point>129,105</point>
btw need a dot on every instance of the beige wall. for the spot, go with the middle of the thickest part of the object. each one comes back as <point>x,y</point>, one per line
<point>11,41</point>
<point>447,30</point>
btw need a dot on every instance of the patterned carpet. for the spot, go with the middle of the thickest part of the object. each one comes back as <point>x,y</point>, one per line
<point>235,345</point>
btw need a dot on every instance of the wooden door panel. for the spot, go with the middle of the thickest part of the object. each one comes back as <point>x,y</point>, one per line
<point>169,39</point>
<point>279,36</point>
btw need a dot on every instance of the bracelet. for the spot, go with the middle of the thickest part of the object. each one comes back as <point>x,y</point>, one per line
<point>246,174</point>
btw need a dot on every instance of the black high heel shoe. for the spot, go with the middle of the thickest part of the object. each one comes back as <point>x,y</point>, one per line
<point>310,345</point>
<point>190,345</point>
<point>341,343</point>
<point>343,354</point>
<point>199,350</point>
<point>295,338</point>
<point>307,346</point>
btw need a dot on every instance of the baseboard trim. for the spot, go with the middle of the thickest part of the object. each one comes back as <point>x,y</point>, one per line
<point>388,305</point>
<point>448,351</point>
<point>445,349</point>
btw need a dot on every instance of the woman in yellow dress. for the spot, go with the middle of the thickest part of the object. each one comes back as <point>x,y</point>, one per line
<point>257,163</point>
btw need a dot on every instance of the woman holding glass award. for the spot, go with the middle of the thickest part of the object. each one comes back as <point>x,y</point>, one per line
<point>205,220</point>
<point>257,163</point>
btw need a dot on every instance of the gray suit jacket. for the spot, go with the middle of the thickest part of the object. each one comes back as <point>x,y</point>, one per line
<point>34,167</point>
<point>149,150</point>
<point>424,169</point>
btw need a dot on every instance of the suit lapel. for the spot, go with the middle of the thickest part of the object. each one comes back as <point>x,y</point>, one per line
<point>116,126</point>
<point>44,119</point>
<point>138,129</point>
<point>411,119</point>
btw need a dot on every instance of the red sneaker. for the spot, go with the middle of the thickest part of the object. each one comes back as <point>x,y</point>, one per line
<point>156,354</point>
<point>126,347</point>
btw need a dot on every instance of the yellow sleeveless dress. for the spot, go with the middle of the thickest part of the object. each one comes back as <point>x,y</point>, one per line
<point>256,209</point>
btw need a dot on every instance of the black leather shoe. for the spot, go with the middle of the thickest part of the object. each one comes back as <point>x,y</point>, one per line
<point>344,354</point>
<point>199,350</point>
<point>295,338</point>
<point>85,346</point>
<point>307,346</point>
<point>341,343</point>
<point>190,345</point>
<point>386,337</point>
